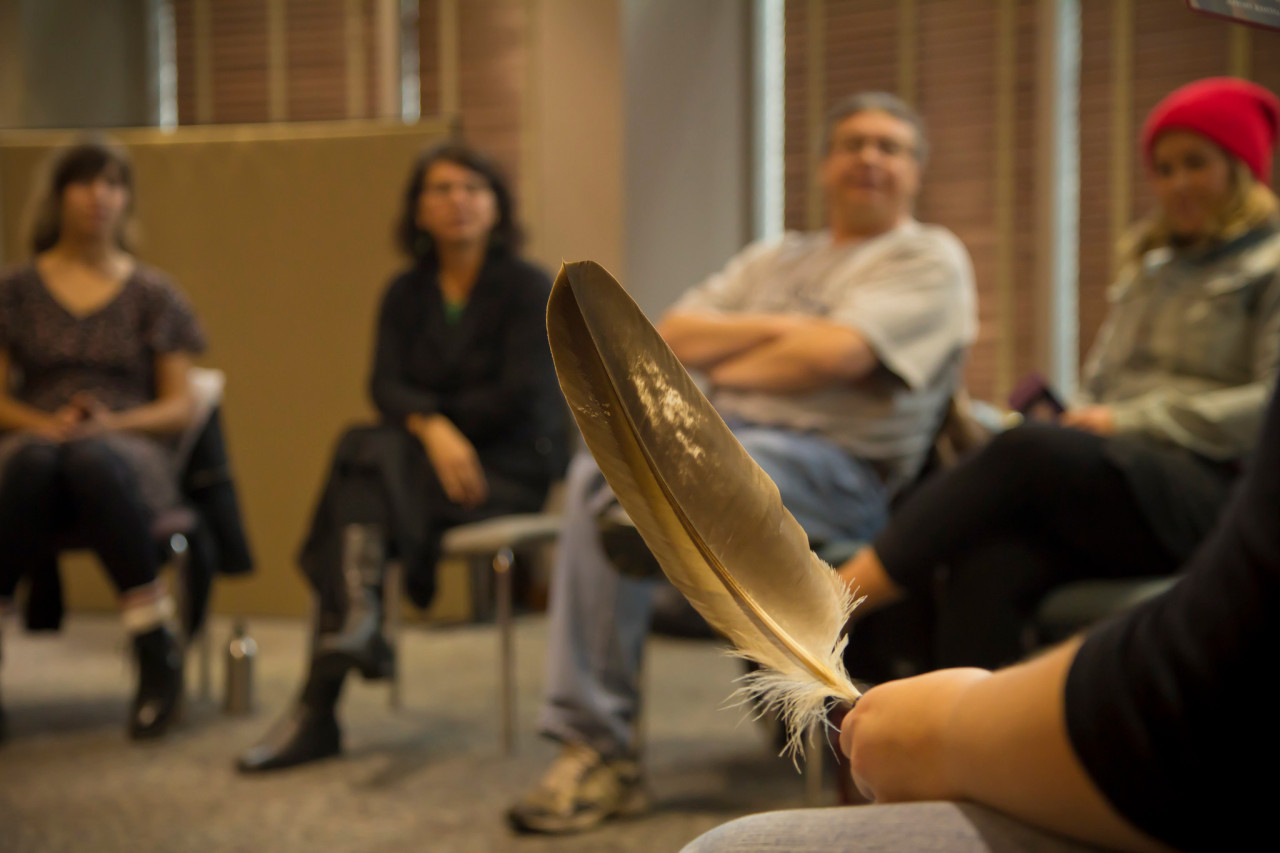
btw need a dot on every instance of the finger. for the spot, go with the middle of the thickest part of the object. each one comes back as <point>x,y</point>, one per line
<point>449,482</point>
<point>846,733</point>
<point>477,493</point>
<point>468,485</point>
<point>481,485</point>
<point>864,788</point>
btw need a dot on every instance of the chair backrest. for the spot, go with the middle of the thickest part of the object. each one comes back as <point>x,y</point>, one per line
<point>206,385</point>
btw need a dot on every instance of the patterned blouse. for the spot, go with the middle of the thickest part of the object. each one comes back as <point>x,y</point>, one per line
<point>54,354</point>
<point>111,353</point>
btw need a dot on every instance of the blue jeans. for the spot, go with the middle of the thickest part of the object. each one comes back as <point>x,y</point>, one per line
<point>598,618</point>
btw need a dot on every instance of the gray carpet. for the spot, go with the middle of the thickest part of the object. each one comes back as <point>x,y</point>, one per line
<point>429,777</point>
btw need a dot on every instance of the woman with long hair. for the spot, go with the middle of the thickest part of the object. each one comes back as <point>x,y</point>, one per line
<point>473,426</point>
<point>94,353</point>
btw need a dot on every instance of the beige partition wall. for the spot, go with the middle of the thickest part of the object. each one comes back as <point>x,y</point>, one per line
<point>281,236</point>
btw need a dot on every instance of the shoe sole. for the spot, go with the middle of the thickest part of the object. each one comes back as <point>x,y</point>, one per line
<point>252,769</point>
<point>635,804</point>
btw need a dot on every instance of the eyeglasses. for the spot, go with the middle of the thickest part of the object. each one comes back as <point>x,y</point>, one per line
<point>883,145</point>
<point>445,189</point>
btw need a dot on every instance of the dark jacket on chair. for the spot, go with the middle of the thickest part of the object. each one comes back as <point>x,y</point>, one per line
<point>218,544</point>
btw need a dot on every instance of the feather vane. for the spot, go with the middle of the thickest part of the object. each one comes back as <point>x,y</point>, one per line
<point>713,519</point>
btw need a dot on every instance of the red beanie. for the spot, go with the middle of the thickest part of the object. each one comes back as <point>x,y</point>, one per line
<point>1242,117</point>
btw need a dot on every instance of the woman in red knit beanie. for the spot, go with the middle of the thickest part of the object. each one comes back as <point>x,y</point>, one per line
<point>1209,148</point>
<point>1140,734</point>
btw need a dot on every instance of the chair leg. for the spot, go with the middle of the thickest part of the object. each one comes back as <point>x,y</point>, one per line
<point>179,547</point>
<point>391,585</point>
<point>206,662</point>
<point>503,562</point>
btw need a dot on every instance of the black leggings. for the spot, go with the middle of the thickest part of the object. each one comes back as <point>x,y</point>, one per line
<point>381,475</point>
<point>983,543</point>
<point>82,487</point>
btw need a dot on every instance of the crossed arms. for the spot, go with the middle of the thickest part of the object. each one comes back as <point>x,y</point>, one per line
<point>771,353</point>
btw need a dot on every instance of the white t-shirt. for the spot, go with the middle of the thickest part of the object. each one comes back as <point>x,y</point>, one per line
<point>909,292</point>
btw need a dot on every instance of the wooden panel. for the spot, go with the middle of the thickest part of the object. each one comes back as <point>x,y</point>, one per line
<point>1264,68</point>
<point>872,25</point>
<point>1096,250</point>
<point>184,49</point>
<point>429,56</point>
<point>492,58</point>
<point>1025,325</point>
<point>316,59</point>
<point>956,82</point>
<point>238,43</point>
<point>796,135</point>
<point>493,63</point>
<point>373,81</point>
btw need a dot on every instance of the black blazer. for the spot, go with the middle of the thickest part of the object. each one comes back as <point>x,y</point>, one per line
<point>490,373</point>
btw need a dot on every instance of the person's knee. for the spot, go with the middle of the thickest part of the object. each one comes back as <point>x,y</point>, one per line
<point>1027,450</point>
<point>93,470</point>
<point>372,442</point>
<point>35,464</point>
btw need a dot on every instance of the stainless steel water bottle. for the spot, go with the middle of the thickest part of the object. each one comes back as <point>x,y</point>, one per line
<point>241,652</point>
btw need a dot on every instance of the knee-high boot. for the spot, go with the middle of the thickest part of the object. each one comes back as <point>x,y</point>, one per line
<point>356,635</point>
<point>348,635</point>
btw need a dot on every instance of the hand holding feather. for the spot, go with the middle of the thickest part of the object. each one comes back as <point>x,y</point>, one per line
<point>713,519</point>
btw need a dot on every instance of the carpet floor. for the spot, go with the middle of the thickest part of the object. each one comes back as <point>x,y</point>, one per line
<point>429,777</point>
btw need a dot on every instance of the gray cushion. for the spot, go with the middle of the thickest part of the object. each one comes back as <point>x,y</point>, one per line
<point>481,538</point>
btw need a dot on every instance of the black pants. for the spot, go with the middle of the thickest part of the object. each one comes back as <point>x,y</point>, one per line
<point>380,475</point>
<point>979,546</point>
<point>80,493</point>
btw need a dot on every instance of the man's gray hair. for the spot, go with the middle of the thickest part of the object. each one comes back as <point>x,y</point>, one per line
<point>882,102</point>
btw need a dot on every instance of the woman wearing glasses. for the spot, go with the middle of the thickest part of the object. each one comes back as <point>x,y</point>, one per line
<point>472,427</point>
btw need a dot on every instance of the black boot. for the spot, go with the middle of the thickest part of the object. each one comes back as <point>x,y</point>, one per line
<point>357,637</point>
<point>159,683</point>
<point>310,730</point>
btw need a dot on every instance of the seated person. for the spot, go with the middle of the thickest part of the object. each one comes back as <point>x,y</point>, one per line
<point>832,356</point>
<point>1138,736</point>
<point>94,353</point>
<point>473,427</point>
<point>1136,474</point>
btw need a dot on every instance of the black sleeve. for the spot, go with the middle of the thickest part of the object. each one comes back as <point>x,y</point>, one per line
<point>1166,705</point>
<point>393,395</point>
<point>484,410</point>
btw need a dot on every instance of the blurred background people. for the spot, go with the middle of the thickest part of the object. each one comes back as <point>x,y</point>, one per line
<point>473,426</point>
<point>1136,473</point>
<point>94,353</point>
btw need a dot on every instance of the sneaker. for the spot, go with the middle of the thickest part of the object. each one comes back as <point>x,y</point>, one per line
<point>580,790</point>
